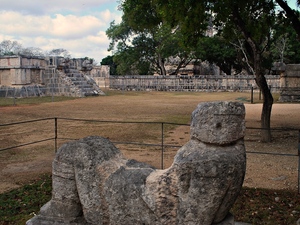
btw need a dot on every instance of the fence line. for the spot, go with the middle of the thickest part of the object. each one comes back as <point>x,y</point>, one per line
<point>162,144</point>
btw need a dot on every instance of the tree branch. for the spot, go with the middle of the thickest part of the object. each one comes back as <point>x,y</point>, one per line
<point>240,46</point>
<point>292,15</point>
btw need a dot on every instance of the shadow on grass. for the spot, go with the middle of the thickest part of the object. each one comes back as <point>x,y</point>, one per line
<point>255,206</point>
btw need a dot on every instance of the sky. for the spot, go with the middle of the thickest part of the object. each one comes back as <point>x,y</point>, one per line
<point>75,25</point>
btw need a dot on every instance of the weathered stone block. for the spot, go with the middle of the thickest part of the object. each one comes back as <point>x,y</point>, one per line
<point>292,67</point>
<point>94,184</point>
<point>218,122</point>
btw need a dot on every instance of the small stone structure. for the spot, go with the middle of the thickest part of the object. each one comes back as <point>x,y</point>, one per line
<point>101,75</point>
<point>290,84</point>
<point>94,184</point>
<point>26,76</point>
<point>20,70</point>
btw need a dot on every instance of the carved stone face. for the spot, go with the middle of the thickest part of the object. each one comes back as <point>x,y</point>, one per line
<point>218,122</point>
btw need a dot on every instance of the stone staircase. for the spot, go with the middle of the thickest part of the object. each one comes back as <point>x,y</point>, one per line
<point>84,83</point>
<point>70,83</point>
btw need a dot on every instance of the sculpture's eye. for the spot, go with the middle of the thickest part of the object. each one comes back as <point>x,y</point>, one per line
<point>219,125</point>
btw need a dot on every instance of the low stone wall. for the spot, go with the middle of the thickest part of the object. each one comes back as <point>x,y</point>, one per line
<point>22,91</point>
<point>190,83</point>
<point>102,82</point>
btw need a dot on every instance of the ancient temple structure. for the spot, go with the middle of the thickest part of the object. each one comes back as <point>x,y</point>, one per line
<point>35,76</point>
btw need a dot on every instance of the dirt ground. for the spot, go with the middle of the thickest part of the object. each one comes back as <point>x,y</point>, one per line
<point>23,164</point>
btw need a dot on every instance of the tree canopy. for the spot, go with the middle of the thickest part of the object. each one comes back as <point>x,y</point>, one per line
<point>249,26</point>
<point>224,33</point>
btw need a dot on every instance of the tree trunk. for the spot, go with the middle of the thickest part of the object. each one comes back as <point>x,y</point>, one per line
<point>161,65</point>
<point>178,67</point>
<point>259,78</point>
<point>267,98</point>
<point>183,62</point>
<point>266,109</point>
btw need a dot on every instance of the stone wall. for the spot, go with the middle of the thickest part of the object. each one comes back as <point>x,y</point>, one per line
<point>190,83</point>
<point>19,70</point>
<point>21,73</point>
<point>18,76</point>
<point>290,84</point>
<point>9,61</point>
<point>101,75</point>
<point>5,77</point>
<point>33,62</point>
<point>100,71</point>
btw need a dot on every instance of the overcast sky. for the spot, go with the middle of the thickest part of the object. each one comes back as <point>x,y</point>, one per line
<point>76,25</point>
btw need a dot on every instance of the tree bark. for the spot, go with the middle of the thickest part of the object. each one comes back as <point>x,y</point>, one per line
<point>266,109</point>
<point>259,78</point>
<point>261,82</point>
<point>161,65</point>
<point>182,62</point>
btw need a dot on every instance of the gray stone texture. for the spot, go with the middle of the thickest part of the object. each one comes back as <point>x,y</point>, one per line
<point>290,84</point>
<point>94,184</point>
<point>218,122</point>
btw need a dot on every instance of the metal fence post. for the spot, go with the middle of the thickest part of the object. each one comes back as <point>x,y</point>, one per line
<point>55,134</point>
<point>162,146</point>
<point>251,94</point>
<point>14,96</point>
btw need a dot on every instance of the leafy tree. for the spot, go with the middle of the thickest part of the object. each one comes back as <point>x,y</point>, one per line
<point>130,52</point>
<point>250,23</point>
<point>286,45</point>
<point>217,50</point>
<point>108,60</point>
<point>246,24</point>
<point>142,42</point>
<point>291,14</point>
<point>120,35</point>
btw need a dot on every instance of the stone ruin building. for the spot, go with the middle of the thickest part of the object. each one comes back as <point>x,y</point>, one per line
<point>192,68</point>
<point>290,83</point>
<point>23,76</point>
<point>93,183</point>
<point>286,81</point>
